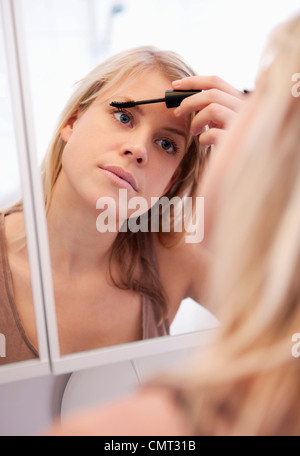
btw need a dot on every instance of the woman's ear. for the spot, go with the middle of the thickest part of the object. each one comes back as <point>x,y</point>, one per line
<point>173,179</point>
<point>67,130</point>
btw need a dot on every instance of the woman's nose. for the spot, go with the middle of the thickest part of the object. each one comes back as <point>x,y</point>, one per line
<point>136,152</point>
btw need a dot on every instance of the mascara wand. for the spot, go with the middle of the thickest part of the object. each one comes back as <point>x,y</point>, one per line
<point>173,98</point>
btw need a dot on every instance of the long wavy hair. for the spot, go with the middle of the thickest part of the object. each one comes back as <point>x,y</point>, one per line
<point>247,382</point>
<point>134,251</point>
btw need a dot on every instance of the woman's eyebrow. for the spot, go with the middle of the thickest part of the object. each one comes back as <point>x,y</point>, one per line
<point>176,131</point>
<point>123,99</point>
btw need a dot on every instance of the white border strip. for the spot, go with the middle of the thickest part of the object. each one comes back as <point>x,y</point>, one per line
<point>23,128</point>
<point>132,351</point>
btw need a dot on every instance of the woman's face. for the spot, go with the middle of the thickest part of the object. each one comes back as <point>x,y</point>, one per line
<point>103,143</point>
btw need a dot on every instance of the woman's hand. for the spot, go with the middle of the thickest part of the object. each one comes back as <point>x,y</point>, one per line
<point>216,106</point>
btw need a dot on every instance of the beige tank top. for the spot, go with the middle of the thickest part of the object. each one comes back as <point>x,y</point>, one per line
<point>17,345</point>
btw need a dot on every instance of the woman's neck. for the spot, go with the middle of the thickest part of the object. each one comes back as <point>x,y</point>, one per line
<point>75,243</point>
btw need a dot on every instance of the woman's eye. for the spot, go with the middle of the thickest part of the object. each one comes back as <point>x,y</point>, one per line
<point>123,117</point>
<point>167,145</point>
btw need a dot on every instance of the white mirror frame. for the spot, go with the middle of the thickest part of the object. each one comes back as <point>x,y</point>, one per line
<point>31,188</point>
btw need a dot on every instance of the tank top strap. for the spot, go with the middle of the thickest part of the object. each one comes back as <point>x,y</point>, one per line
<point>149,321</point>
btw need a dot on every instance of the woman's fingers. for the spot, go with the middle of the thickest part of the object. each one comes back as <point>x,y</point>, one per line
<point>206,83</point>
<point>214,115</point>
<point>212,136</point>
<point>210,96</point>
<point>215,106</point>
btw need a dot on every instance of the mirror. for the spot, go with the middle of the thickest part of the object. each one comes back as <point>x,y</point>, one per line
<point>23,345</point>
<point>65,39</point>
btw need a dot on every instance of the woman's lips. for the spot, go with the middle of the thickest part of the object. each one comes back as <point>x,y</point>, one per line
<point>120,177</point>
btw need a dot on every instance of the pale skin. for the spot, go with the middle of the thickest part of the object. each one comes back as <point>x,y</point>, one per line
<point>146,412</point>
<point>150,412</point>
<point>149,143</point>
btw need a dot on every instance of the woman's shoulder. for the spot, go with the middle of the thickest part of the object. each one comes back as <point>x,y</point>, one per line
<point>150,411</point>
<point>13,227</point>
<point>183,266</point>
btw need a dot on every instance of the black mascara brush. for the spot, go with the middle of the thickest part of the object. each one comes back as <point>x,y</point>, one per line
<point>173,98</point>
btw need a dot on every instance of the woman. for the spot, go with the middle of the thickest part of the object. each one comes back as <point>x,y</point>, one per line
<point>247,382</point>
<point>114,287</point>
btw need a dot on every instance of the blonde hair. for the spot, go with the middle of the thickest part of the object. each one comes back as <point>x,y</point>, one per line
<point>132,250</point>
<point>248,382</point>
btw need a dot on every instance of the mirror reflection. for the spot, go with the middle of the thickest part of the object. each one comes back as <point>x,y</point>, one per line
<point>119,274</point>
<point>114,268</point>
<point>18,335</point>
